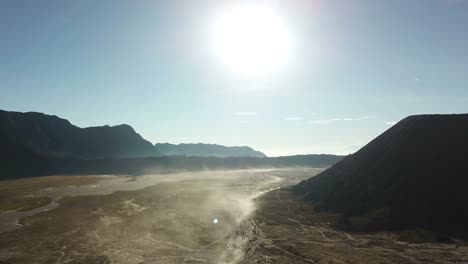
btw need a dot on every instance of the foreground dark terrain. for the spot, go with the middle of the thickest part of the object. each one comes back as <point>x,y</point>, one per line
<point>290,231</point>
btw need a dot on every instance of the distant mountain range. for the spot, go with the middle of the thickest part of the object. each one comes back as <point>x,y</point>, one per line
<point>206,150</point>
<point>36,144</point>
<point>413,175</point>
<point>54,136</point>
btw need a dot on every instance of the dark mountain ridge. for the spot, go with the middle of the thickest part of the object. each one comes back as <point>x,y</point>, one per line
<point>35,144</point>
<point>206,150</point>
<point>54,136</point>
<point>413,175</point>
<point>50,135</point>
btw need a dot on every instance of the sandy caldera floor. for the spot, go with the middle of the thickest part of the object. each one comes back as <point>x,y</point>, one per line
<point>288,231</point>
<point>171,219</point>
<point>197,217</point>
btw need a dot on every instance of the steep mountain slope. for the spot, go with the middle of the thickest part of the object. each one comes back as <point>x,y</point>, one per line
<point>206,150</point>
<point>16,161</point>
<point>51,135</point>
<point>413,175</point>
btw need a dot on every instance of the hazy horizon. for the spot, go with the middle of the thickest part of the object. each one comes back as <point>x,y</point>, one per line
<point>337,74</point>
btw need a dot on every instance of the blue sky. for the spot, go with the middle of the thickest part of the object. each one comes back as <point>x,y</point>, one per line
<point>357,66</point>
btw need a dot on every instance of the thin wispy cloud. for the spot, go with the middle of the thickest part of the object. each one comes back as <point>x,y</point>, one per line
<point>293,118</point>
<point>324,122</point>
<point>390,123</point>
<point>244,113</point>
<point>366,117</point>
<point>359,118</point>
<point>333,120</point>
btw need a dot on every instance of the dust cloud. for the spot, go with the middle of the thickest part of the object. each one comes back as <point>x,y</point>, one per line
<point>196,217</point>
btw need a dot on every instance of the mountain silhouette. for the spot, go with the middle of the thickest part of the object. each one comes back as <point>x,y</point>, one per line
<point>54,136</point>
<point>206,150</point>
<point>35,144</point>
<point>414,175</point>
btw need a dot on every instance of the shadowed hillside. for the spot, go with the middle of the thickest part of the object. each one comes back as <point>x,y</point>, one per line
<point>413,175</point>
<point>18,161</point>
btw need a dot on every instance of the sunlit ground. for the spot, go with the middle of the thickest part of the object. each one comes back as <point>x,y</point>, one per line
<point>190,217</point>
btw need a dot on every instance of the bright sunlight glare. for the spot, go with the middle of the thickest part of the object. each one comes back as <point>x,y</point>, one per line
<point>251,40</point>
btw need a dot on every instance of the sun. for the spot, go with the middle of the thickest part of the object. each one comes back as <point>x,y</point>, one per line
<point>251,40</point>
